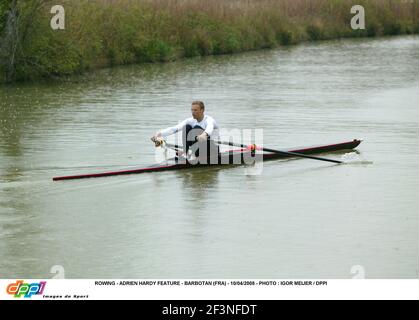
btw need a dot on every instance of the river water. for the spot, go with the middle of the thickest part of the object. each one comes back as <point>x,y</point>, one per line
<point>299,218</point>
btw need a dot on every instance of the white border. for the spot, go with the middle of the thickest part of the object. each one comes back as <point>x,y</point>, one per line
<point>352,289</point>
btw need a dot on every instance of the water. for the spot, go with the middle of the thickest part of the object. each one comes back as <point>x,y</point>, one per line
<point>298,219</point>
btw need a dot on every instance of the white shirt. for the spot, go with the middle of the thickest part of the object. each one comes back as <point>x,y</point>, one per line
<point>208,124</point>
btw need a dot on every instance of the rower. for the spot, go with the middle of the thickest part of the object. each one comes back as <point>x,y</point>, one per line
<point>198,135</point>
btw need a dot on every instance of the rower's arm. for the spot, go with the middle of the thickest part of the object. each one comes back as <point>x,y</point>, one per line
<point>172,130</point>
<point>210,127</point>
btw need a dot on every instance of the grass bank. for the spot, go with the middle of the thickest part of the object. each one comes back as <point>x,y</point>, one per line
<point>101,33</point>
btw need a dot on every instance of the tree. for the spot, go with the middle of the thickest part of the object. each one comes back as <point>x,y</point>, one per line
<point>16,21</point>
<point>4,9</point>
<point>8,37</point>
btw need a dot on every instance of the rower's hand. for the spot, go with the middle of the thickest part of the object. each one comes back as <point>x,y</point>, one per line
<point>157,139</point>
<point>202,137</point>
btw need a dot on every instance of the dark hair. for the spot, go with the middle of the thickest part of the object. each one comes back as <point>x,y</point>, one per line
<point>199,103</point>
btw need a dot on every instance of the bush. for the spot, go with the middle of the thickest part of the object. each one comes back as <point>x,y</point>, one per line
<point>373,29</point>
<point>285,37</point>
<point>392,28</point>
<point>227,39</point>
<point>203,43</point>
<point>314,32</point>
<point>152,50</point>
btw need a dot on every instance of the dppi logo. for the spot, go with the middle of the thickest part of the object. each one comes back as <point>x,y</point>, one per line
<point>27,290</point>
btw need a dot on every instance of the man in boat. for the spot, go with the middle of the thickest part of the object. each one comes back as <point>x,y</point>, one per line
<point>198,135</point>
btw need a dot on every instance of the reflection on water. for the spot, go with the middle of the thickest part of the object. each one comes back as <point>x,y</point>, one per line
<point>299,218</point>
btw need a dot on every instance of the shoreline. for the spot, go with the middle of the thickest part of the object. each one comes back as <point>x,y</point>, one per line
<point>124,32</point>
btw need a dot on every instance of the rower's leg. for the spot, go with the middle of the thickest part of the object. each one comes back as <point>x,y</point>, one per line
<point>187,143</point>
<point>202,151</point>
<point>189,135</point>
<point>207,152</point>
<point>197,148</point>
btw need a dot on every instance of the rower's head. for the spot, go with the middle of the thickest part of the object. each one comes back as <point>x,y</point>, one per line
<point>198,109</point>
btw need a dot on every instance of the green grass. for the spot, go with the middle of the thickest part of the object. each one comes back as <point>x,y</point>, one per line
<point>101,33</point>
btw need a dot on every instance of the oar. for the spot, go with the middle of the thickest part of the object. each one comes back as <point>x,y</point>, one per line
<point>280,152</point>
<point>173,146</point>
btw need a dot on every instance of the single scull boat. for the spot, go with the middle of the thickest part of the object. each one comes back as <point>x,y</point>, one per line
<point>227,157</point>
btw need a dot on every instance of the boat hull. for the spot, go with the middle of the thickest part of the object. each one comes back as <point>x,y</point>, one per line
<point>236,157</point>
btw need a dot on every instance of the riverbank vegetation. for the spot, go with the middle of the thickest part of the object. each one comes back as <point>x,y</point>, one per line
<point>101,33</point>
